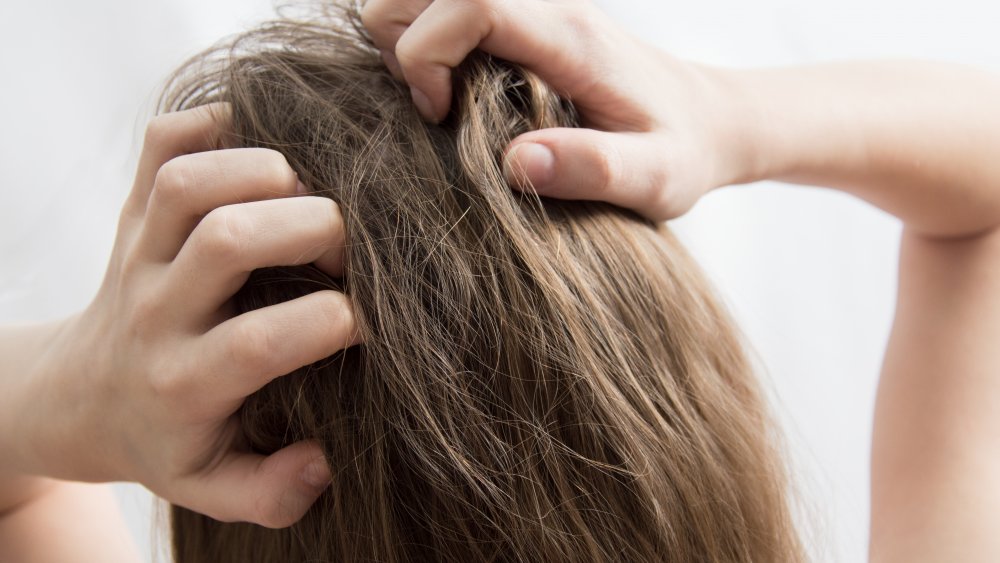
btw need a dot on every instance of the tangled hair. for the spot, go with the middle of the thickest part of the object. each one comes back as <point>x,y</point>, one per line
<point>540,380</point>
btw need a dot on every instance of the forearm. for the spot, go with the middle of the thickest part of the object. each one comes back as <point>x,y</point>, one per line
<point>34,508</point>
<point>935,462</point>
<point>919,140</point>
<point>39,390</point>
<point>66,522</point>
<point>23,350</point>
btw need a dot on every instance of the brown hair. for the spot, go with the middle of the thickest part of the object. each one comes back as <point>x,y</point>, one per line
<point>540,380</point>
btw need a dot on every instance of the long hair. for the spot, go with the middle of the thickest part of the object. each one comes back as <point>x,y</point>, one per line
<point>540,380</point>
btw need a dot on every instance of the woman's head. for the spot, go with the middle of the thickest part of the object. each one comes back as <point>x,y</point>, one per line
<point>540,380</point>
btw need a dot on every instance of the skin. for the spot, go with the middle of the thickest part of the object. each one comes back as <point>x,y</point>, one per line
<point>915,139</point>
<point>144,383</point>
<point>918,140</point>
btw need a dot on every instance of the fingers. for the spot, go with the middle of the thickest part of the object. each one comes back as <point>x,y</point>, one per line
<point>386,20</point>
<point>438,40</point>
<point>188,187</point>
<point>171,135</point>
<point>548,37</point>
<point>273,491</point>
<point>246,352</point>
<point>626,169</point>
<point>232,241</point>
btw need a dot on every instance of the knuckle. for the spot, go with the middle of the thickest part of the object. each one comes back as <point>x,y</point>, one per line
<point>337,313</point>
<point>480,5</point>
<point>174,181</point>
<point>607,162</point>
<point>663,206</point>
<point>666,190</point>
<point>271,511</point>
<point>495,11</point>
<point>488,5</point>
<point>582,20</point>
<point>252,345</point>
<point>587,28</point>
<point>169,383</point>
<point>224,234</point>
<point>659,180</point>
<point>420,71</point>
<point>385,21</point>
<point>409,51</point>
<point>145,309</point>
<point>160,131</point>
<point>667,201</point>
<point>276,167</point>
<point>145,316</point>
<point>372,14</point>
<point>333,219</point>
<point>131,264</point>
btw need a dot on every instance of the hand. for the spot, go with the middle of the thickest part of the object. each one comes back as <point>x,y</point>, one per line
<point>143,385</point>
<point>662,131</point>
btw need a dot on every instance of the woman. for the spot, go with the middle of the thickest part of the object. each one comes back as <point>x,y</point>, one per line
<point>950,239</point>
<point>538,380</point>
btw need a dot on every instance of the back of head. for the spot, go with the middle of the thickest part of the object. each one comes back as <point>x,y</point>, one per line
<point>540,380</point>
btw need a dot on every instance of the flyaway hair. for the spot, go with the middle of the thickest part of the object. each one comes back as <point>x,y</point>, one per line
<point>540,380</point>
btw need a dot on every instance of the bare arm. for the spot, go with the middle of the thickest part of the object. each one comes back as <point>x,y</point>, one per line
<point>45,520</point>
<point>63,522</point>
<point>920,140</point>
<point>143,385</point>
<point>935,457</point>
<point>35,511</point>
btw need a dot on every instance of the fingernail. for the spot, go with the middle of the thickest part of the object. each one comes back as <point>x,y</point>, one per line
<point>317,474</point>
<point>423,104</point>
<point>529,165</point>
<point>301,188</point>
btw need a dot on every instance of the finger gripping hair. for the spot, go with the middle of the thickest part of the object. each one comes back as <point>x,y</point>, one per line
<point>539,380</point>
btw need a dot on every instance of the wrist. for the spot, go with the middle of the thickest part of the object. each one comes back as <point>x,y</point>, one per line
<point>67,389</point>
<point>742,147</point>
<point>26,351</point>
<point>46,421</point>
<point>797,125</point>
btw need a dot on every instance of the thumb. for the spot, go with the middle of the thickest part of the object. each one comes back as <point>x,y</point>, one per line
<point>625,169</point>
<point>273,491</point>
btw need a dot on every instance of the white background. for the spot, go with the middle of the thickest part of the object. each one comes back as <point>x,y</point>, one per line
<point>810,274</point>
